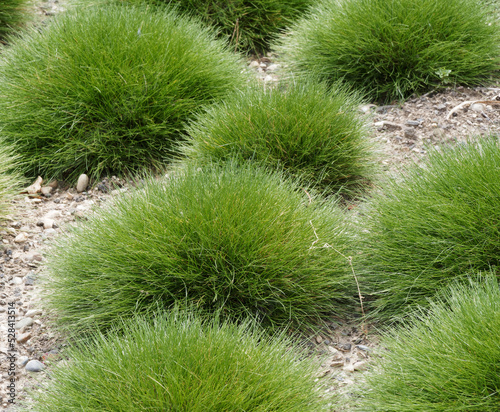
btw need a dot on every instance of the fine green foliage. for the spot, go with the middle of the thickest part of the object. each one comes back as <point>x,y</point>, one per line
<point>392,49</point>
<point>302,127</point>
<point>436,224</point>
<point>235,239</point>
<point>12,14</point>
<point>249,25</point>
<point>182,363</point>
<point>445,358</point>
<point>9,179</point>
<point>107,90</point>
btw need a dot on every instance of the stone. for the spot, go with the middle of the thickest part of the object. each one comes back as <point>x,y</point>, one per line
<point>17,280</point>
<point>34,366</point>
<point>35,187</point>
<point>33,257</point>
<point>21,237</point>
<point>32,313</point>
<point>273,67</point>
<point>412,123</point>
<point>23,338</point>
<point>478,107</point>
<point>361,347</point>
<point>83,182</point>
<point>410,133</point>
<point>23,323</point>
<point>22,361</point>
<point>440,107</point>
<point>46,190</point>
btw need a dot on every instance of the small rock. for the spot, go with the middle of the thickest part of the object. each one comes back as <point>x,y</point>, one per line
<point>29,280</point>
<point>23,323</point>
<point>254,64</point>
<point>273,67</point>
<point>345,347</point>
<point>35,187</point>
<point>440,107</point>
<point>413,123</point>
<point>17,280</point>
<point>319,339</point>
<point>21,237</point>
<point>23,360</point>
<point>361,347</point>
<point>34,366</point>
<point>53,184</point>
<point>478,107</point>
<point>83,182</point>
<point>24,337</point>
<point>46,190</point>
<point>33,257</point>
<point>33,312</point>
<point>409,133</point>
<point>16,225</point>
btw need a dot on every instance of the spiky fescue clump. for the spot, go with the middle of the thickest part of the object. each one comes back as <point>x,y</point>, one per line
<point>107,90</point>
<point>10,180</point>
<point>392,49</point>
<point>12,15</point>
<point>180,362</point>
<point>236,239</point>
<point>445,358</point>
<point>310,132</point>
<point>436,224</point>
<point>248,25</point>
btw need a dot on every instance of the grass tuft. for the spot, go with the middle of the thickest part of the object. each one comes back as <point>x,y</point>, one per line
<point>248,25</point>
<point>179,362</point>
<point>236,239</point>
<point>108,90</point>
<point>12,15</point>
<point>445,358</point>
<point>437,223</point>
<point>392,49</point>
<point>10,180</point>
<point>312,133</point>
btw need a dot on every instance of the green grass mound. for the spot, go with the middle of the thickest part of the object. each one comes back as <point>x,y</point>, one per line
<point>181,363</point>
<point>312,133</point>
<point>392,49</point>
<point>249,25</point>
<point>235,239</point>
<point>108,90</point>
<point>9,180</point>
<point>446,358</point>
<point>12,15</point>
<point>439,222</point>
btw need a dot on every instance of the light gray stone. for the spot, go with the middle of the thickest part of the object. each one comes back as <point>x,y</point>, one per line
<point>34,366</point>
<point>83,182</point>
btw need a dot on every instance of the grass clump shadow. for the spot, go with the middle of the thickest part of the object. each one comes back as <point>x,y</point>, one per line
<point>178,361</point>
<point>234,238</point>
<point>445,357</point>
<point>392,49</point>
<point>108,90</point>
<point>13,13</point>
<point>439,221</point>
<point>10,180</point>
<point>312,133</point>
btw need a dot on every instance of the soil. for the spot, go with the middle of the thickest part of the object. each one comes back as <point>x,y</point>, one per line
<point>403,132</point>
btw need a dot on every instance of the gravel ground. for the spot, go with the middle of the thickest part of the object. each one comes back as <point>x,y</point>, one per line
<point>403,133</point>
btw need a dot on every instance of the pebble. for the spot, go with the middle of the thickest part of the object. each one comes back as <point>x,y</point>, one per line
<point>477,107</point>
<point>412,123</point>
<point>23,338</point>
<point>21,237</point>
<point>17,280</point>
<point>362,347</point>
<point>35,366</point>
<point>33,257</point>
<point>83,182</point>
<point>33,312</point>
<point>440,107</point>
<point>22,361</point>
<point>23,323</point>
<point>46,190</point>
<point>410,133</point>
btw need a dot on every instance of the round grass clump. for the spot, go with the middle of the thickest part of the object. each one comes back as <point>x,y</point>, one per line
<point>236,239</point>
<point>10,180</point>
<point>445,358</point>
<point>310,132</point>
<point>179,362</point>
<point>108,90</point>
<point>437,223</point>
<point>12,15</point>
<point>392,49</point>
<point>249,25</point>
